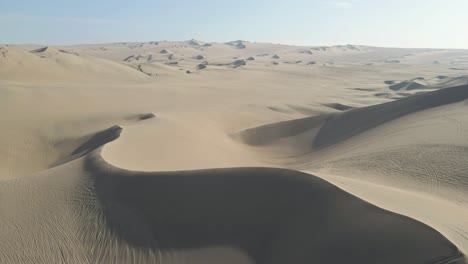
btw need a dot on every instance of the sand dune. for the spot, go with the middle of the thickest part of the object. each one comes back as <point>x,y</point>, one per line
<point>39,50</point>
<point>268,133</point>
<point>398,144</point>
<point>47,64</point>
<point>355,120</point>
<point>238,63</point>
<point>193,42</point>
<point>306,52</point>
<point>208,209</point>
<point>438,83</point>
<point>113,153</point>
<point>361,119</point>
<point>238,44</point>
<point>338,106</point>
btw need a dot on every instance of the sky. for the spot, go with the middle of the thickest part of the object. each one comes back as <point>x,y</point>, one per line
<point>386,23</point>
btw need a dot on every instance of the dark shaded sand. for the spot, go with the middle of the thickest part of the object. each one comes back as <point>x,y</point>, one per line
<point>39,50</point>
<point>360,119</point>
<point>407,85</point>
<point>274,215</point>
<point>265,134</point>
<point>338,106</point>
<point>326,129</point>
<point>238,63</point>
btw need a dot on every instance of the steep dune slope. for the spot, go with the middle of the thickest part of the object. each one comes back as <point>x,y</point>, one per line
<point>89,211</point>
<point>439,82</point>
<point>342,126</point>
<point>416,145</point>
<point>334,128</point>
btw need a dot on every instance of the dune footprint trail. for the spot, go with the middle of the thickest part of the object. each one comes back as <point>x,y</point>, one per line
<point>98,213</point>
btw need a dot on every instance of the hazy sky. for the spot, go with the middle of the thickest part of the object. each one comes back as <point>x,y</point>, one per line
<point>397,23</point>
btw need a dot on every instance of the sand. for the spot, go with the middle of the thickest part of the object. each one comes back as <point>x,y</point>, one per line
<point>133,153</point>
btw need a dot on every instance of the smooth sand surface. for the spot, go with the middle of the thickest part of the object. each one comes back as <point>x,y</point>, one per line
<point>266,153</point>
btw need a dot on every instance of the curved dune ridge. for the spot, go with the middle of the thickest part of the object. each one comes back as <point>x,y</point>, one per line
<point>416,144</point>
<point>101,214</point>
<point>361,119</point>
<point>325,142</point>
<point>420,83</point>
<point>268,133</point>
<point>355,120</point>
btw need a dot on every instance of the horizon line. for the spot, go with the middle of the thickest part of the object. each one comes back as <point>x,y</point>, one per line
<point>225,42</point>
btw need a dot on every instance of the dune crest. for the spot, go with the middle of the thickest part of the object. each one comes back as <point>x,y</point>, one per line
<point>209,209</point>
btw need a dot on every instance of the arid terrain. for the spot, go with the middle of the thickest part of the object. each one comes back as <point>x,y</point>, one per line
<point>239,152</point>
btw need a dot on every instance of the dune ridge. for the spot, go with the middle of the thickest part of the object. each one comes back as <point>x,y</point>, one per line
<point>361,119</point>
<point>356,120</point>
<point>300,215</point>
<point>421,83</point>
<point>46,64</point>
<point>399,144</point>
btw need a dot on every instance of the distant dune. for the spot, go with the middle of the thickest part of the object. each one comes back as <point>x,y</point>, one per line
<point>361,119</point>
<point>51,64</point>
<point>439,83</point>
<point>39,50</point>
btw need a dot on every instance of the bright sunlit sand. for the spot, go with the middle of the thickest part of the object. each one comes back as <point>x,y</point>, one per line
<point>231,152</point>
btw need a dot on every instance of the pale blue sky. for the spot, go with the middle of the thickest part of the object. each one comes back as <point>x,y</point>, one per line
<point>396,23</point>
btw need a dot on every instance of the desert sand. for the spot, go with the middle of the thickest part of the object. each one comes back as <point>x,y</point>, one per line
<point>238,152</point>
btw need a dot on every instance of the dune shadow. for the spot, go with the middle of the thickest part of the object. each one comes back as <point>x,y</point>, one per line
<point>274,215</point>
<point>352,122</point>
